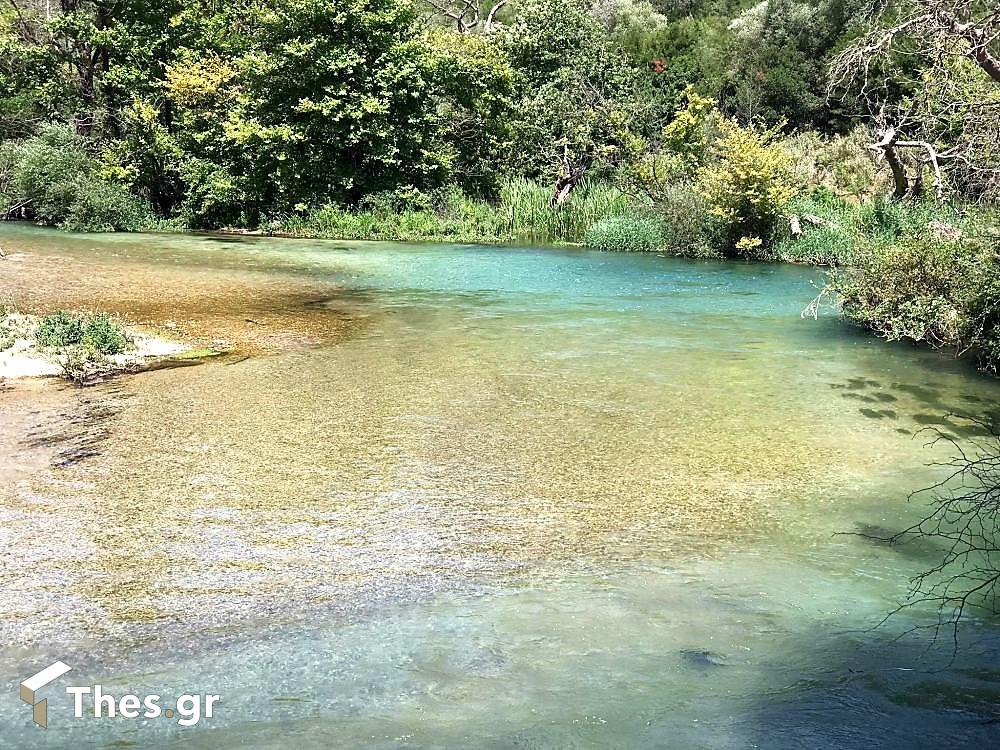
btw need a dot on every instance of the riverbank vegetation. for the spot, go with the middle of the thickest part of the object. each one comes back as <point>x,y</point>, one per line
<point>77,346</point>
<point>848,133</point>
<point>83,347</point>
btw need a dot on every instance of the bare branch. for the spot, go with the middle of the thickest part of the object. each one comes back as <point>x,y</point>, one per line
<point>964,519</point>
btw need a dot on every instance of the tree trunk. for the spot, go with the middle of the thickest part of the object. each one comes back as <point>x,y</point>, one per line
<point>887,145</point>
<point>569,179</point>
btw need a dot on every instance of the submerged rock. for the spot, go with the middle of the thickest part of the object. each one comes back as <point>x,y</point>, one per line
<point>703,658</point>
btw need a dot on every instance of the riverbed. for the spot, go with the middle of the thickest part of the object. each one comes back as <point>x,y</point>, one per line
<point>459,496</point>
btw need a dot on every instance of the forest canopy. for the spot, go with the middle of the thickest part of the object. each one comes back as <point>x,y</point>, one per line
<point>233,113</point>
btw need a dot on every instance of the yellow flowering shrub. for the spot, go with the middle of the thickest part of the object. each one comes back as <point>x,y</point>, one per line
<point>748,183</point>
<point>689,133</point>
<point>195,82</point>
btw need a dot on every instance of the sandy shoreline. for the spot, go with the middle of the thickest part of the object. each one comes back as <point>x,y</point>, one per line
<point>24,358</point>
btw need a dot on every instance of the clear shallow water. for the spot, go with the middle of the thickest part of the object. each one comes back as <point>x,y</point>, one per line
<point>476,497</point>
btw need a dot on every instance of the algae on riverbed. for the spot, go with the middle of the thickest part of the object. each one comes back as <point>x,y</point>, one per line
<point>450,483</point>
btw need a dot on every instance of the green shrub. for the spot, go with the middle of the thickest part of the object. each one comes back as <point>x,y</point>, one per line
<point>685,224</point>
<point>749,182</point>
<point>56,177</point>
<point>59,329</point>
<point>104,335</point>
<point>943,293</point>
<point>912,289</point>
<point>102,206</point>
<point>47,170</point>
<point>625,234</point>
<point>984,317</point>
<point>96,332</point>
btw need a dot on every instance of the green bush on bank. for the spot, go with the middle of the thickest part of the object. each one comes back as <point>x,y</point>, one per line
<point>102,206</point>
<point>747,183</point>
<point>941,292</point>
<point>906,270</point>
<point>685,224</point>
<point>96,332</point>
<point>59,329</point>
<point>102,334</point>
<point>984,318</point>
<point>625,234</point>
<point>55,179</point>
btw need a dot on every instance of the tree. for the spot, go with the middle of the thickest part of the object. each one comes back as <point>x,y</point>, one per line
<point>777,62</point>
<point>579,99</point>
<point>468,15</point>
<point>307,102</point>
<point>82,60</point>
<point>928,72</point>
<point>474,89</point>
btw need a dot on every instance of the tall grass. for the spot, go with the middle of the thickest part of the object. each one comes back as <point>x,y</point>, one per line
<point>524,214</point>
<point>534,219</point>
<point>853,228</point>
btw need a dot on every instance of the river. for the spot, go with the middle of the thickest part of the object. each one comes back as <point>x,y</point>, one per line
<point>456,496</point>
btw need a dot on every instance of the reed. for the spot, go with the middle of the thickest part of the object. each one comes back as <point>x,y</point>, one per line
<point>524,214</point>
<point>532,217</point>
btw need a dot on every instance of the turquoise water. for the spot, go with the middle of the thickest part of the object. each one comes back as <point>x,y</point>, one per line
<point>446,496</point>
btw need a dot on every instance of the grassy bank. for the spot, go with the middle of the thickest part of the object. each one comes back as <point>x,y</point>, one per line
<point>917,269</point>
<point>522,214</point>
<point>597,215</point>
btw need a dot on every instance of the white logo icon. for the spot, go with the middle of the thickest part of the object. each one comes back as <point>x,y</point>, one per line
<point>31,686</point>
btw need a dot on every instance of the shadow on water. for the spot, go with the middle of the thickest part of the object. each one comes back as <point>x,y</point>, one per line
<point>913,680</point>
<point>927,410</point>
<point>867,690</point>
<point>925,550</point>
<point>228,240</point>
<point>78,434</point>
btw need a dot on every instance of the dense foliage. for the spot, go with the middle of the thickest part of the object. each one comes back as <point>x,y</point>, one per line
<point>920,288</point>
<point>254,111</point>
